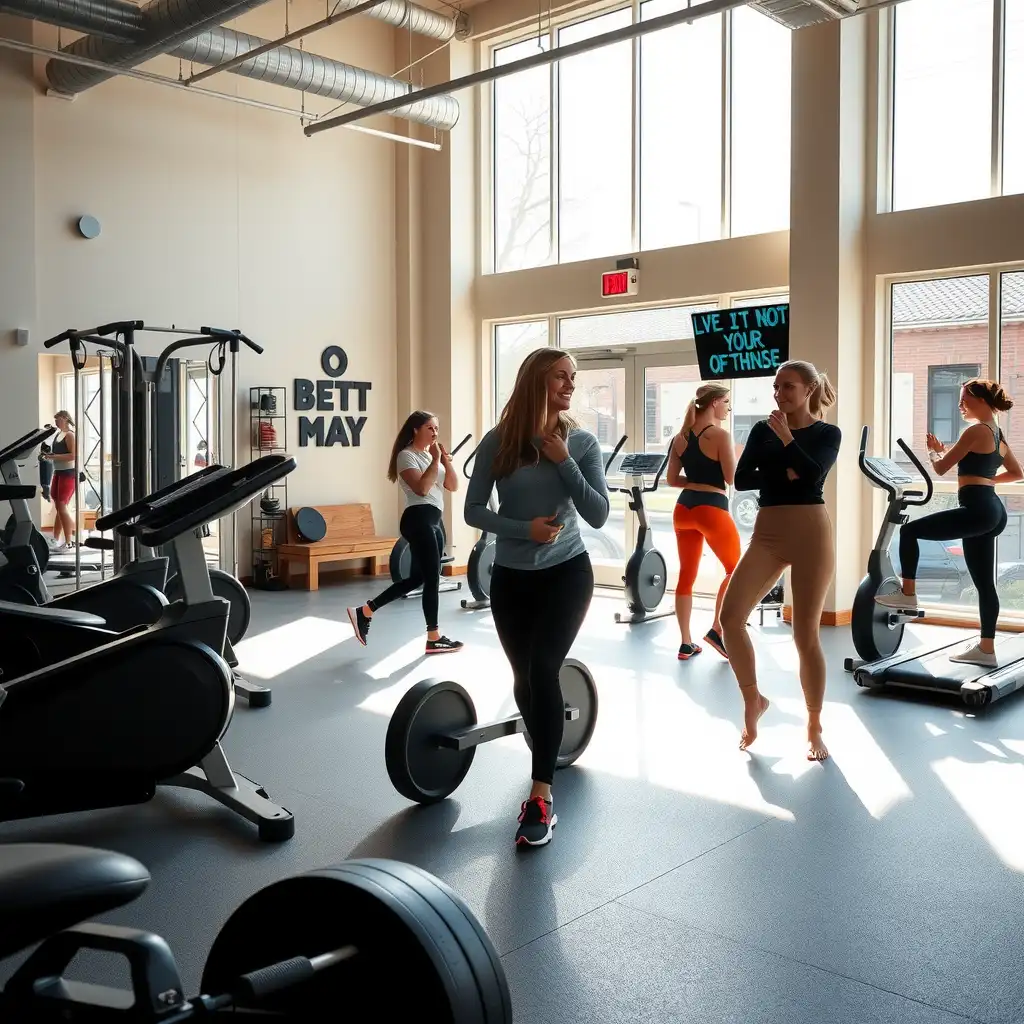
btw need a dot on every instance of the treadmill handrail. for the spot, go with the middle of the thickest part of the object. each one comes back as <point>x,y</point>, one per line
<point>119,517</point>
<point>221,493</point>
<point>24,445</point>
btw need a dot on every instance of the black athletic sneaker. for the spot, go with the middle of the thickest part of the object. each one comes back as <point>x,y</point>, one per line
<point>688,651</point>
<point>713,638</point>
<point>536,823</point>
<point>360,623</point>
<point>443,646</point>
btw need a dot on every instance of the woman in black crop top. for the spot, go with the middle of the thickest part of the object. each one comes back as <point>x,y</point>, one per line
<point>787,458</point>
<point>979,517</point>
<point>702,461</point>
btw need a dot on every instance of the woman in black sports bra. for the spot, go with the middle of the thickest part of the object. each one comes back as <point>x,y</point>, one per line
<point>980,516</point>
<point>702,461</point>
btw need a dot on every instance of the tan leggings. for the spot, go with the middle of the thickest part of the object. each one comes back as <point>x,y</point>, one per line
<point>799,536</point>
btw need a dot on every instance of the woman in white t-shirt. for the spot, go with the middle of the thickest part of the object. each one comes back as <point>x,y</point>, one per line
<point>423,469</point>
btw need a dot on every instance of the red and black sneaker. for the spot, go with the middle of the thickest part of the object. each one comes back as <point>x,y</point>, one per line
<point>536,822</point>
<point>688,651</point>
<point>443,646</point>
<point>714,638</point>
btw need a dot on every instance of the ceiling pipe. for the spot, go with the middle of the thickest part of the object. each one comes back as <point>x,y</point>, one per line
<point>113,19</point>
<point>320,76</point>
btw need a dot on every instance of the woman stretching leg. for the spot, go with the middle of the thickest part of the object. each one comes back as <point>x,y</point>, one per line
<point>702,461</point>
<point>548,473</point>
<point>424,471</point>
<point>980,516</point>
<point>786,459</point>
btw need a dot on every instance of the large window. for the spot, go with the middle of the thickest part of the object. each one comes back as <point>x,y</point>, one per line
<point>639,138</point>
<point>950,101</point>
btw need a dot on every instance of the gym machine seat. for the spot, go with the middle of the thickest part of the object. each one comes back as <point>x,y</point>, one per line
<point>103,728</point>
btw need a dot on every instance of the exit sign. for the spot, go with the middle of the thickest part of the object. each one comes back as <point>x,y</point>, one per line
<point>620,282</point>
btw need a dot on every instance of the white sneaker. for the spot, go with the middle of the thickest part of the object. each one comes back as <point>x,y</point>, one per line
<point>975,656</point>
<point>899,600</point>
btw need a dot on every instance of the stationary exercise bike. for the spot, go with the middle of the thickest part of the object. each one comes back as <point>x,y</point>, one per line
<point>646,577</point>
<point>878,631</point>
<point>298,950</point>
<point>400,562</point>
<point>104,727</point>
<point>481,557</point>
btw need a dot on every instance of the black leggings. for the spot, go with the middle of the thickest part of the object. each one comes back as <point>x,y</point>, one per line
<point>537,614</point>
<point>980,518</point>
<point>421,527</point>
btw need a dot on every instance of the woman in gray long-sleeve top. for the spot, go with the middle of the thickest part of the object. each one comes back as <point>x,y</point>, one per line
<point>548,472</point>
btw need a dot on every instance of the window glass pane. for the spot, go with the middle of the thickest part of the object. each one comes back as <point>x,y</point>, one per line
<point>595,151</point>
<point>1010,545</point>
<point>522,162</point>
<point>1013,109</point>
<point>671,323</point>
<point>512,344</point>
<point>942,113</point>
<point>680,142</point>
<point>761,58</point>
<point>939,339</point>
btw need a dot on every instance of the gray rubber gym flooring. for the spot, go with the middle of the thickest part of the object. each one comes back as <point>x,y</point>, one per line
<point>687,882</point>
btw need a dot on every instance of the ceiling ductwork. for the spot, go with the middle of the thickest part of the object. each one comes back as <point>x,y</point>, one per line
<point>113,19</point>
<point>796,14</point>
<point>321,76</point>
<point>166,24</point>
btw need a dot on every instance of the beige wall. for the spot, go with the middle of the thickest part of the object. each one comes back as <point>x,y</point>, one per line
<point>211,213</point>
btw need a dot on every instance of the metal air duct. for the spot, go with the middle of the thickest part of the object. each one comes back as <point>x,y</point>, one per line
<point>321,76</point>
<point>112,19</point>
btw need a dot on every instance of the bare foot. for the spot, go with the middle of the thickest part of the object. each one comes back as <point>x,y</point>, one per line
<point>816,749</point>
<point>752,715</point>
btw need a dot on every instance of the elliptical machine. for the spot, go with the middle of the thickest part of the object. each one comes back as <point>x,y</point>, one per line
<point>481,558</point>
<point>105,727</point>
<point>400,562</point>
<point>878,631</point>
<point>646,576</point>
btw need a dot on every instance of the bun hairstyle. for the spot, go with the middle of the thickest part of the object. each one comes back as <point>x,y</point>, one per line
<point>823,395</point>
<point>991,392</point>
<point>707,395</point>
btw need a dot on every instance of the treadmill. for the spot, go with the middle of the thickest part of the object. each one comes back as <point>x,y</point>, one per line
<point>925,668</point>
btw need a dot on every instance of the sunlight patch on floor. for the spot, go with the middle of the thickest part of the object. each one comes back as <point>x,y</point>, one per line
<point>279,650</point>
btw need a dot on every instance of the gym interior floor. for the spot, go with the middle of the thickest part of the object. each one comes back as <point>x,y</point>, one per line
<point>687,882</point>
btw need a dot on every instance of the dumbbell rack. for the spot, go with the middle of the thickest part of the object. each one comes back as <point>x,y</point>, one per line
<point>263,424</point>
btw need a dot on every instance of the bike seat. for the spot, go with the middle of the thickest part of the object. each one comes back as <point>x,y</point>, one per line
<point>64,616</point>
<point>47,887</point>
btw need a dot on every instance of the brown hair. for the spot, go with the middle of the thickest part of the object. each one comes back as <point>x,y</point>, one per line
<point>823,395</point>
<point>66,415</point>
<point>991,392</point>
<point>707,395</point>
<point>412,423</point>
<point>526,411</point>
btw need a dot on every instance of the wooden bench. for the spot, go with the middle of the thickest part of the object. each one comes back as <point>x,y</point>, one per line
<point>350,536</point>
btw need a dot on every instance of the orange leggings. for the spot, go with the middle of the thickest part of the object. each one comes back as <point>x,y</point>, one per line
<point>692,526</point>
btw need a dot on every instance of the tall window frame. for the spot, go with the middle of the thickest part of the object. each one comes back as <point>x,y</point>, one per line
<point>546,35</point>
<point>998,86</point>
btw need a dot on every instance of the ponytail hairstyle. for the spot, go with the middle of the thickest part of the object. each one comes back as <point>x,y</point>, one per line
<point>413,422</point>
<point>707,395</point>
<point>991,392</point>
<point>823,395</point>
<point>66,415</point>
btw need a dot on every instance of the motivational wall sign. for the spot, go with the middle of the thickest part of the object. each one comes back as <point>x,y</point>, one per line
<point>331,395</point>
<point>750,341</point>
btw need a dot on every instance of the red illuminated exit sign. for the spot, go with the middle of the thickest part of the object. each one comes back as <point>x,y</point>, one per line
<point>623,281</point>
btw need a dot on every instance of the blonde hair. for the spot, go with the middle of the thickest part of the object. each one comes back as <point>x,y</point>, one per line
<point>823,395</point>
<point>706,396</point>
<point>526,411</point>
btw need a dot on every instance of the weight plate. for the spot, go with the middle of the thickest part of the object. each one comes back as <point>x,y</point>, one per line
<point>492,984</point>
<point>310,525</point>
<point>486,568</point>
<point>653,579</point>
<point>228,587</point>
<point>578,691</point>
<point>418,768</point>
<point>873,636</point>
<point>400,563</point>
<point>36,540</point>
<point>479,569</point>
<point>408,958</point>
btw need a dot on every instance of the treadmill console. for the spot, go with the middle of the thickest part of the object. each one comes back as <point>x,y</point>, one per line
<point>891,472</point>
<point>641,463</point>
